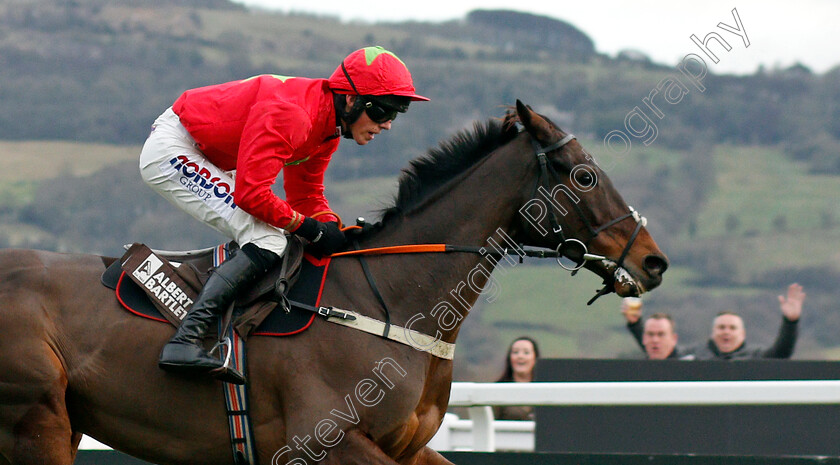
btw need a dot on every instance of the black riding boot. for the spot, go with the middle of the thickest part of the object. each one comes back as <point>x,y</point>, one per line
<point>185,353</point>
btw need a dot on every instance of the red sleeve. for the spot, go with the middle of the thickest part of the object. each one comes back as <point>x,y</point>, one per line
<point>304,183</point>
<point>272,133</point>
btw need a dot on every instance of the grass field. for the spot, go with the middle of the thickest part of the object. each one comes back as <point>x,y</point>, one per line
<point>24,161</point>
<point>23,164</point>
<point>758,184</point>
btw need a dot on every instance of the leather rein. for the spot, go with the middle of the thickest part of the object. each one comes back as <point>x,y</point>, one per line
<point>570,248</point>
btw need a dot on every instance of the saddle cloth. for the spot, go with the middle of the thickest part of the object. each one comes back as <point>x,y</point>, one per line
<point>259,312</point>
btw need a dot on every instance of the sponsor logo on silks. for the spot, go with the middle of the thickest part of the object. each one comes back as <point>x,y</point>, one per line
<point>199,180</point>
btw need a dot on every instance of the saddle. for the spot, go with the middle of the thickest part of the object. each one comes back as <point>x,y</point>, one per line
<point>161,285</point>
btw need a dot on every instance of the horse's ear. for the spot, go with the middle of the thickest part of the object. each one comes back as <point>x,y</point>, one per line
<point>536,125</point>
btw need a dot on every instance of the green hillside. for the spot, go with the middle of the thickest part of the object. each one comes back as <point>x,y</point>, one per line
<point>759,185</point>
<point>24,163</point>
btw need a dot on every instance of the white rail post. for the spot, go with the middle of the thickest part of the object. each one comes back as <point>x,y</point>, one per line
<point>484,435</point>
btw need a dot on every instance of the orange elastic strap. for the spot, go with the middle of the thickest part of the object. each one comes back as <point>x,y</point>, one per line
<point>327,212</point>
<point>419,248</point>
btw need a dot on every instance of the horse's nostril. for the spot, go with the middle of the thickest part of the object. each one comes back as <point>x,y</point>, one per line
<point>655,264</point>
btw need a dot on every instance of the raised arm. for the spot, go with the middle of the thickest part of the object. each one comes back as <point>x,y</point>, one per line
<point>635,323</point>
<point>791,307</point>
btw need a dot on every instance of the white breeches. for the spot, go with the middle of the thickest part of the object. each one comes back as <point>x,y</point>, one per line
<point>171,164</point>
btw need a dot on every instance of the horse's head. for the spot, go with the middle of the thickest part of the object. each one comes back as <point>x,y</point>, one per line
<point>574,208</point>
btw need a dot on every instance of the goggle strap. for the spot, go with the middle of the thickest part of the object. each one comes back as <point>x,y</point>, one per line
<point>347,75</point>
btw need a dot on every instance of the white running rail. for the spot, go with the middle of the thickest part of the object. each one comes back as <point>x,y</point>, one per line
<point>482,433</point>
<point>489,435</point>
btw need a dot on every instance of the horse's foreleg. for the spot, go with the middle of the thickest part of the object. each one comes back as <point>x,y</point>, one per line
<point>429,456</point>
<point>356,449</point>
<point>75,440</point>
<point>43,435</point>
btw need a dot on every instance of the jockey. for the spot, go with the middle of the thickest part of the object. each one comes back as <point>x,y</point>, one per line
<point>218,150</point>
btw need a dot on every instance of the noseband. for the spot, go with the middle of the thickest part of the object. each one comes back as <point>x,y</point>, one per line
<point>572,248</point>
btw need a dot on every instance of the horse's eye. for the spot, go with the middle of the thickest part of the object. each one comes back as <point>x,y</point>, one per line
<point>584,178</point>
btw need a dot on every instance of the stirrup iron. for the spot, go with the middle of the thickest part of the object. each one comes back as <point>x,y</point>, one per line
<point>226,342</point>
<point>226,373</point>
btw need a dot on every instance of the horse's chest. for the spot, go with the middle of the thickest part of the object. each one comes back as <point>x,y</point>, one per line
<point>412,433</point>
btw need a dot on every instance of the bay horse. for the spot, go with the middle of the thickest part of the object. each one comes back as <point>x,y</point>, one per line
<point>72,362</point>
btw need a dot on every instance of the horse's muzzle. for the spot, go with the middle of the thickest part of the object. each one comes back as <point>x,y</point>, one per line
<point>653,266</point>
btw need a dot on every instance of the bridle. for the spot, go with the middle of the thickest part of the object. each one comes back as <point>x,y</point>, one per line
<point>565,247</point>
<point>571,248</point>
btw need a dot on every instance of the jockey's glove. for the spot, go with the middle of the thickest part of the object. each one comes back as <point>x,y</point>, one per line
<point>324,238</point>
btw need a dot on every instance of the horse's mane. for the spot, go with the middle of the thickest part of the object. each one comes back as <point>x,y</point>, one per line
<point>425,174</point>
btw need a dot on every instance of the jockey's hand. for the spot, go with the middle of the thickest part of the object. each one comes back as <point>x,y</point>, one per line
<point>324,238</point>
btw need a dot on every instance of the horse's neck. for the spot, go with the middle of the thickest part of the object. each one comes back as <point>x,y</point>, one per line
<point>469,209</point>
<point>467,212</point>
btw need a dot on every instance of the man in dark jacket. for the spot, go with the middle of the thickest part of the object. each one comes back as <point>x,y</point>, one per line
<point>728,338</point>
<point>657,336</point>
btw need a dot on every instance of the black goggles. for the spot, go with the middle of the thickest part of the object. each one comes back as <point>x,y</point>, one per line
<point>378,113</point>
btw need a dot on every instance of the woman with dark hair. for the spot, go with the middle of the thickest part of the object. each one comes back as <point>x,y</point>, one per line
<point>520,362</point>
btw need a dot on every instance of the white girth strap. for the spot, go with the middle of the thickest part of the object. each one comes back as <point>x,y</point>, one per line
<point>399,334</point>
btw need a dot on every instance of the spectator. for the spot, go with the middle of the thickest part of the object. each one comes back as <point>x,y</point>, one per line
<point>658,339</point>
<point>522,356</point>
<point>728,338</point>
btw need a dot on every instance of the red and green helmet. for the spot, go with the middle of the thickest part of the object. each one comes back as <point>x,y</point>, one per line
<point>373,71</point>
